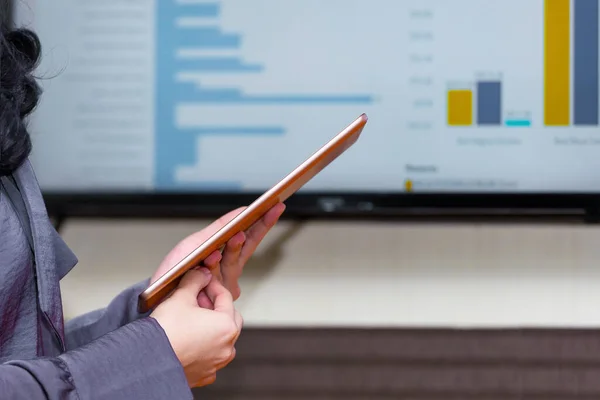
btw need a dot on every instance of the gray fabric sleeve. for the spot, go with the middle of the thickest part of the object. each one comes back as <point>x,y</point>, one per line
<point>133,362</point>
<point>121,311</point>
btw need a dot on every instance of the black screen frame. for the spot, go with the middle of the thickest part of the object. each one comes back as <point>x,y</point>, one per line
<point>344,205</point>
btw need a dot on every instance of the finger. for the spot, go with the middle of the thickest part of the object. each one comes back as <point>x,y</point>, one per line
<point>239,321</point>
<point>204,301</point>
<point>213,260</point>
<point>257,232</point>
<point>273,215</point>
<point>225,219</point>
<point>231,267</point>
<point>220,297</point>
<point>193,282</point>
<point>231,252</point>
<point>209,380</point>
<point>215,270</point>
<point>227,360</point>
<point>197,238</point>
<point>213,263</point>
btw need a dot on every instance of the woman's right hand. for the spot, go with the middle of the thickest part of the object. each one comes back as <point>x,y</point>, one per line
<point>203,339</point>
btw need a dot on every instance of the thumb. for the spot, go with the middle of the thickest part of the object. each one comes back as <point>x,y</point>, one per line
<point>193,282</point>
<point>220,297</point>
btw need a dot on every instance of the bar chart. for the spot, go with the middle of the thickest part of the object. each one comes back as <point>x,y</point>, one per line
<point>192,48</point>
<point>570,70</point>
<point>200,96</point>
<point>480,103</point>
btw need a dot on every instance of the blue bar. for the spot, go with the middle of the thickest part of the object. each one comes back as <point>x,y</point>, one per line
<point>279,100</point>
<point>231,98</point>
<point>171,10</point>
<point>300,99</point>
<point>172,147</point>
<point>188,92</point>
<point>518,122</point>
<point>206,31</point>
<point>216,42</point>
<point>585,69</point>
<point>204,10</point>
<point>217,64</point>
<point>489,103</point>
<point>208,38</point>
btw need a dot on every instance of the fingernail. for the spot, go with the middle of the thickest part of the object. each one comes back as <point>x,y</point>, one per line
<point>205,270</point>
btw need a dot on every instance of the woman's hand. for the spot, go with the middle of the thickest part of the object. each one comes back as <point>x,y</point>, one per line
<point>203,340</point>
<point>226,267</point>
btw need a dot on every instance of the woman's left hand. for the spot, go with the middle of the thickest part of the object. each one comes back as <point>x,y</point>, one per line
<point>228,265</point>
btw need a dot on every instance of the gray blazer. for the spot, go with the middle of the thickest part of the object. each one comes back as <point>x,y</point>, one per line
<point>114,353</point>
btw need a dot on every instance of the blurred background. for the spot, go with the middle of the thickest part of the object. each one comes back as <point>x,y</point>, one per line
<point>451,253</point>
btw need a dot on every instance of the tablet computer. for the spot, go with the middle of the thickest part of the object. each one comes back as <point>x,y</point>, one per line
<point>164,285</point>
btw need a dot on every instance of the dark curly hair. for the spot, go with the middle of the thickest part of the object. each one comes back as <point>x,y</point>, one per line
<point>19,94</point>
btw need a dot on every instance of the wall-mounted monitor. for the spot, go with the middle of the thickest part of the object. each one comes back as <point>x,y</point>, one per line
<point>201,105</point>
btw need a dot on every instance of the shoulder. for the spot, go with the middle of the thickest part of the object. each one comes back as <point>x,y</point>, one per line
<point>49,248</point>
<point>26,178</point>
<point>16,258</point>
<point>13,242</point>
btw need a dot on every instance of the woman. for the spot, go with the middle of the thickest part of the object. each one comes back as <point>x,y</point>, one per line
<point>114,353</point>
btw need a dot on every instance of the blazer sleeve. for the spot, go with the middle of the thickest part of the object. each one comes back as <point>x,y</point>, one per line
<point>133,362</point>
<point>91,326</point>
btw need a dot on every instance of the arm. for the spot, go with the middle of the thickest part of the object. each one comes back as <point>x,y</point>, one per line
<point>134,362</point>
<point>121,311</point>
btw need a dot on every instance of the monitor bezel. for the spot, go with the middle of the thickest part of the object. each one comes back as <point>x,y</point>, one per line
<point>391,205</point>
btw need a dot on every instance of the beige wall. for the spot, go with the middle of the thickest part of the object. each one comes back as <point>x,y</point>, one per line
<point>369,274</point>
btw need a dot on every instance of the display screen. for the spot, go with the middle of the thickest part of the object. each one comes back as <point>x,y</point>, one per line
<point>463,96</point>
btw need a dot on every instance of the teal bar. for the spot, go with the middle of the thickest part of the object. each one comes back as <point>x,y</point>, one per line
<point>518,122</point>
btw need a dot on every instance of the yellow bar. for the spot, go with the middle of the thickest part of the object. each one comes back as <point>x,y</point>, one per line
<point>460,107</point>
<point>557,62</point>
